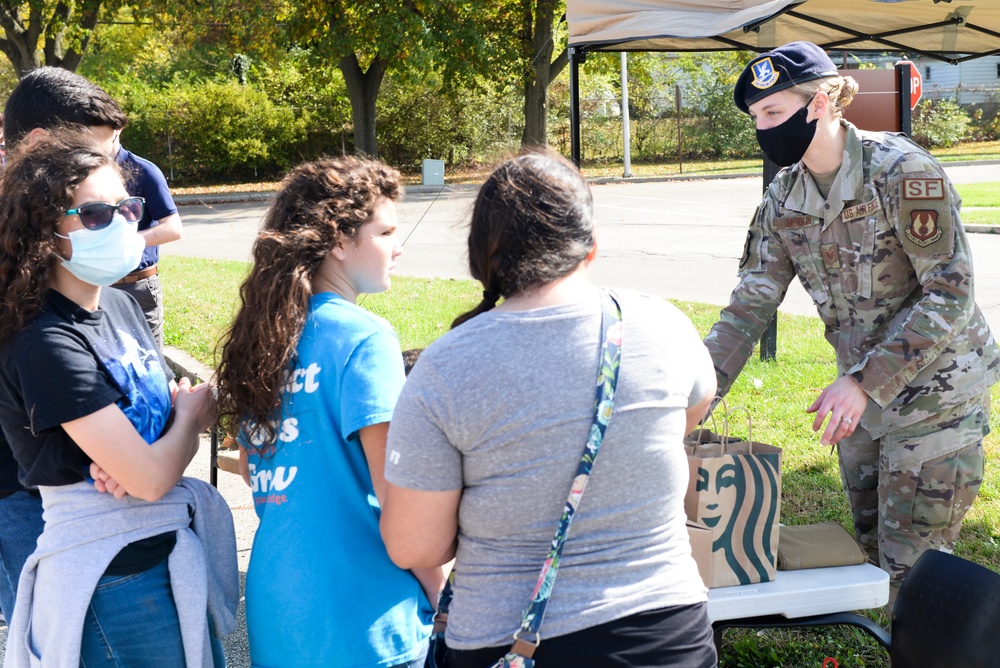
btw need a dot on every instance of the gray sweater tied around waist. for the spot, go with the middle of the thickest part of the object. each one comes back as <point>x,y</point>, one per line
<point>84,530</point>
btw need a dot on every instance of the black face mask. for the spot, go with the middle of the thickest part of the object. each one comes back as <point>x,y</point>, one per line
<point>785,144</point>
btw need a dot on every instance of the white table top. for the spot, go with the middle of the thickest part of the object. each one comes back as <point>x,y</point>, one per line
<point>813,591</point>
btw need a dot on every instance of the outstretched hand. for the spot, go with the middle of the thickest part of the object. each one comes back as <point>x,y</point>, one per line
<point>844,401</point>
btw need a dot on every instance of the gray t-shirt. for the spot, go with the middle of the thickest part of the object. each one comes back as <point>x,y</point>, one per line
<point>501,408</point>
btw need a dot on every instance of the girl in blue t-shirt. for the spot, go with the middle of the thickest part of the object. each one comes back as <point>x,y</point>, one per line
<point>308,381</point>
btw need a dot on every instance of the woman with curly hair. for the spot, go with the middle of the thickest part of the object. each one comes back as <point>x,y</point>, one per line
<point>308,381</point>
<point>121,578</point>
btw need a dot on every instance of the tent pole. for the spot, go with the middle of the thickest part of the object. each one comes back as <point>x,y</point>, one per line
<point>575,58</point>
<point>626,132</point>
<point>905,114</point>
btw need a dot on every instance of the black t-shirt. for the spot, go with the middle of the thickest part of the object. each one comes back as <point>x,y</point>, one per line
<point>68,363</point>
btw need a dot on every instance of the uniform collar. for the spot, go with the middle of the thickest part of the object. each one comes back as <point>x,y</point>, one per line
<point>804,196</point>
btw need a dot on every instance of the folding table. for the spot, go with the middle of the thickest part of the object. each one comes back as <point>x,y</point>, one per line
<point>808,597</point>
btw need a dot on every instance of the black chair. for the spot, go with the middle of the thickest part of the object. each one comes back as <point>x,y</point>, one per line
<point>947,615</point>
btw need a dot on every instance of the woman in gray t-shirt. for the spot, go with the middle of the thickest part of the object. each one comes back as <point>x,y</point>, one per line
<point>488,431</point>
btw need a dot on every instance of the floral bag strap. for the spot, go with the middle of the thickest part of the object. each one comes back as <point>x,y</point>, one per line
<point>522,650</point>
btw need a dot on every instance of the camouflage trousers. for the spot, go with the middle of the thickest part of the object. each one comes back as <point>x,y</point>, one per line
<point>910,490</point>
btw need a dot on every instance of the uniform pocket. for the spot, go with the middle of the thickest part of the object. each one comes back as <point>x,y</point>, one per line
<point>803,254</point>
<point>934,477</point>
<point>866,263</point>
<point>947,487</point>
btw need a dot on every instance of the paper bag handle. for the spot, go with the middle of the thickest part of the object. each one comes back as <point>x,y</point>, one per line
<point>728,415</point>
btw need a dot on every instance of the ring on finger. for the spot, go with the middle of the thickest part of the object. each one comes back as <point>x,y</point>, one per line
<point>846,420</point>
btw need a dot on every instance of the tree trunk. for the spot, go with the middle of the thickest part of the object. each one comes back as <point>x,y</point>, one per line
<point>20,57</point>
<point>362,89</point>
<point>55,53</point>
<point>20,43</point>
<point>541,71</point>
<point>21,37</point>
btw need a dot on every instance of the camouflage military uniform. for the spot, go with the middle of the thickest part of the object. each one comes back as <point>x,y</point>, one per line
<point>886,261</point>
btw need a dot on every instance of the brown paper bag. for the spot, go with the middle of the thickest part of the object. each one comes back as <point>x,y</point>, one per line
<point>735,490</point>
<point>818,546</point>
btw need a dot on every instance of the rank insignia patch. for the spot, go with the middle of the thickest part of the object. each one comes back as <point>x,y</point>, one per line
<point>764,75</point>
<point>831,256</point>
<point>923,189</point>
<point>923,229</point>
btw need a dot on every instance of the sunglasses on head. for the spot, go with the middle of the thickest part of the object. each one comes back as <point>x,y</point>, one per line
<point>98,215</point>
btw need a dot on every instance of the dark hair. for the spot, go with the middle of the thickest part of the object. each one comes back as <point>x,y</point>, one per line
<point>410,358</point>
<point>316,201</point>
<point>52,96</point>
<point>36,188</point>
<point>532,223</point>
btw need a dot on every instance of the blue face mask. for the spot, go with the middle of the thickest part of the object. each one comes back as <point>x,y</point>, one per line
<point>102,257</point>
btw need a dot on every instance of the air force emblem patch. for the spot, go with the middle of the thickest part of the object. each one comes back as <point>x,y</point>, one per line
<point>923,229</point>
<point>764,74</point>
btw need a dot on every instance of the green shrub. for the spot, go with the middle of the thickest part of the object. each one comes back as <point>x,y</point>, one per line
<point>985,125</point>
<point>426,119</point>
<point>939,123</point>
<point>211,131</point>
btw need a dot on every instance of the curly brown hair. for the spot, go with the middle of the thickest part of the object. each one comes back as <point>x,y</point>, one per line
<point>316,201</point>
<point>36,188</point>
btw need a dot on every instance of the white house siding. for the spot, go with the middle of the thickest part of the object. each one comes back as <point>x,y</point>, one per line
<point>970,82</point>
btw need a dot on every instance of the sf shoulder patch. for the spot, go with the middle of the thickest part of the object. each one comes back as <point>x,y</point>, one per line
<point>925,216</point>
<point>923,189</point>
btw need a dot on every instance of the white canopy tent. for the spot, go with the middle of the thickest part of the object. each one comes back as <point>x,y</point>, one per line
<point>949,30</point>
<point>952,30</point>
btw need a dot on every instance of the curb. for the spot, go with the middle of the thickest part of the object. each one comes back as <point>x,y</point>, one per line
<point>224,198</point>
<point>981,229</point>
<point>182,364</point>
<point>601,180</point>
<point>267,196</point>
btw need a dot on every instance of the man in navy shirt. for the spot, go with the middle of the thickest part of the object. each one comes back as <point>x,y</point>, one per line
<point>160,224</point>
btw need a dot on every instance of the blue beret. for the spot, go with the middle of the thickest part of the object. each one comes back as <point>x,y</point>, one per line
<point>786,66</point>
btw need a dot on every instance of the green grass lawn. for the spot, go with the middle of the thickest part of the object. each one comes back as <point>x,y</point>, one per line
<point>980,203</point>
<point>201,295</point>
<point>980,194</point>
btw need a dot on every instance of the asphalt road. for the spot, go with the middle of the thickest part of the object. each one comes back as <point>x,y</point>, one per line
<point>676,239</point>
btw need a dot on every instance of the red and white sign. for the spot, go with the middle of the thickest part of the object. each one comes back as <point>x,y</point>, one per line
<point>916,83</point>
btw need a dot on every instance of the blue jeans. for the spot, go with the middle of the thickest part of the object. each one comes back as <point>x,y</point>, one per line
<point>132,621</point>
<point>20,526</point>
